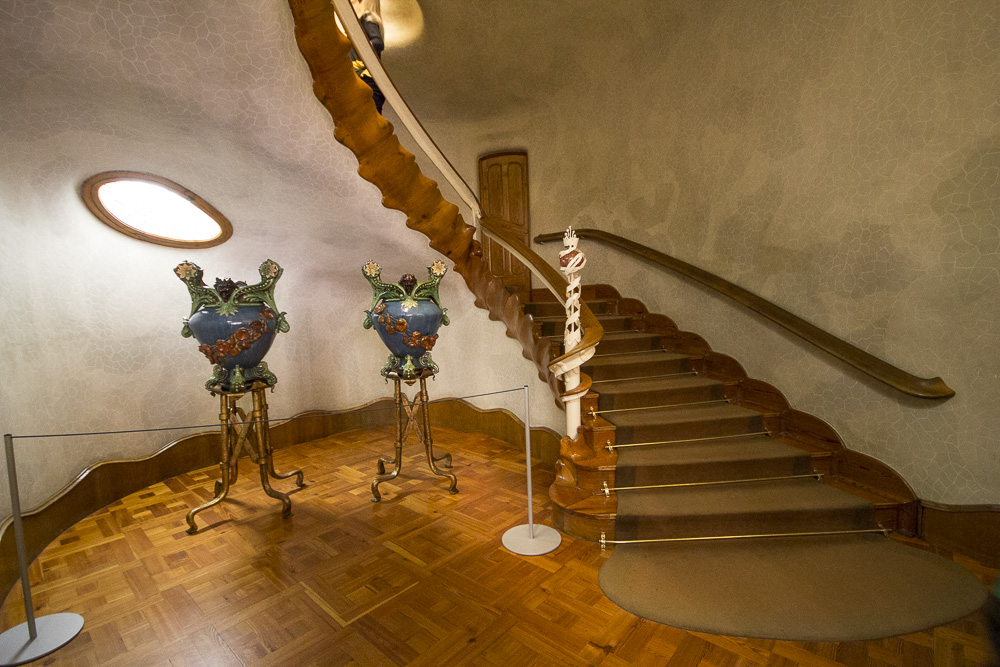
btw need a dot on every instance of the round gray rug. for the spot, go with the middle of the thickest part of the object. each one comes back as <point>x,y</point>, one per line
<point>836,588</point>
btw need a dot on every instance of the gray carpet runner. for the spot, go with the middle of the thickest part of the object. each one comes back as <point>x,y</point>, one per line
<point>810,588</point>
<point>843,588</point>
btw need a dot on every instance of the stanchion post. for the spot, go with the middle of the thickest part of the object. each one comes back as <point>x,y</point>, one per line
<point>527,461</point>
<point>23,643</point>
<point>22,556</point>
<point>527,539</point>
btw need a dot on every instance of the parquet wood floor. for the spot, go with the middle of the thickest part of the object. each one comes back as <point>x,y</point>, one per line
<point>419,579</point>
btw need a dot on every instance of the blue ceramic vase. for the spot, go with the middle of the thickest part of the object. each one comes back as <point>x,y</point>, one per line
<point>234,324</point>
<point>406,315</point>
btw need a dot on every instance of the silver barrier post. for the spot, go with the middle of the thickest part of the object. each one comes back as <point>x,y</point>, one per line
<point>30,641</point>
<point>529,539</point>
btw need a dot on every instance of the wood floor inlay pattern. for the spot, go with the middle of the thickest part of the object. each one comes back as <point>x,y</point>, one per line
<point>418,579</point>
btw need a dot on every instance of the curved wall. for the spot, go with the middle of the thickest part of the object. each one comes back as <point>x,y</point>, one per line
<point>216,97</point>
<point>841,159</point>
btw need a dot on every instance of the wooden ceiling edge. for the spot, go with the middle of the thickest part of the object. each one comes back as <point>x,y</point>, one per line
<point>393,170</point>
<point>107,482</point>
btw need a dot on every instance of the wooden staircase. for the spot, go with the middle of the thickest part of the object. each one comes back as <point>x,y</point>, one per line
<point>678,442</point>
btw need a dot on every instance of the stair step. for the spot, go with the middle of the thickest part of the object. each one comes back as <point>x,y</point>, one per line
<point>640,364</point>
<point>695,421</point>
<point>712,460</point>
<point>657,391</point>
<point>786,506</point>
<point>629,341</point>
<point>555,309</point>
<point>553,326</point>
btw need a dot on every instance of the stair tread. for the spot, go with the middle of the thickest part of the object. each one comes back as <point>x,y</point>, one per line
<point>845,485</point>
<point>627,386</point>
<point>601,317</point>
<point>708,452</point>
<point>634,357</point>
<point>626,335</point>
<point>679,415</point>
<point>754,498</point>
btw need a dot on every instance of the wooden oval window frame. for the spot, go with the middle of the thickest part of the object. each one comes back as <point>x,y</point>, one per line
<point>89,193</point>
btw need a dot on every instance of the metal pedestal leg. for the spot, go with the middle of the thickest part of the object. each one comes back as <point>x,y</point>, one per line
<point>236,434</point>
<point>406,421</point>
<point>429,443</point>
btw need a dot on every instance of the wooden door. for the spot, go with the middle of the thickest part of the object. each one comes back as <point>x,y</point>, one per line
<point>503,194</point>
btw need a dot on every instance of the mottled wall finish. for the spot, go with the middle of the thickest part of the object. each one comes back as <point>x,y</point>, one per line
<point>217,97</point>
<point>839,158</point>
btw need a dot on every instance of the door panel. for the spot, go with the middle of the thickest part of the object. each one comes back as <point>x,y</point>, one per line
<point>503,194</point>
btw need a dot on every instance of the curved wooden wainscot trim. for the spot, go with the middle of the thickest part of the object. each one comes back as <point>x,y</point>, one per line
<point>971,530</point>
<point>839,348</point>
<point>109,481</point>
<point>498,423</point>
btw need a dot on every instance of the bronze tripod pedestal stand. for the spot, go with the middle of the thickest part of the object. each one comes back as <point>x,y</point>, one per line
<point>405,422</point>
<point>238,433</point>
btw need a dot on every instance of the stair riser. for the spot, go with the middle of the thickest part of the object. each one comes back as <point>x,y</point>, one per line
<point>712,471</point>
<point>683,430</point>
<point>608,324</point>
<point>659,397</point>
<point>555,309</point>
<point>616,346</point>
<point>758,523</point>
<point>582,526</point>
<point>627,369</point>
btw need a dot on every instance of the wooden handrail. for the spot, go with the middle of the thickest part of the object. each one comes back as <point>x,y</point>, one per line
<point>393,170</point>
<point>593,332</point>
<point>364,49</point>
<point>849,354</point>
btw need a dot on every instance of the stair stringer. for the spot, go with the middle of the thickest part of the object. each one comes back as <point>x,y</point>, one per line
<point>393,170</point>
<point>585,463</point>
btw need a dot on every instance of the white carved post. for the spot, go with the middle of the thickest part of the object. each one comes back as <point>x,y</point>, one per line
<point>571,261</point>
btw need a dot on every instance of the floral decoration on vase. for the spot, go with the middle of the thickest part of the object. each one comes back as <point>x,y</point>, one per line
<point>406,315</point>
<point>234,324</point>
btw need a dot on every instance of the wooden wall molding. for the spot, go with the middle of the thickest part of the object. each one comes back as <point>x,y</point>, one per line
<point>971,530</point>
<point>109,481</point>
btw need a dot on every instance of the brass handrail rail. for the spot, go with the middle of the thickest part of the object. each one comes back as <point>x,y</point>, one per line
<point>863,361</point>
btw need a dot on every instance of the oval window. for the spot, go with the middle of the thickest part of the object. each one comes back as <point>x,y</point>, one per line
<point>154,209</point>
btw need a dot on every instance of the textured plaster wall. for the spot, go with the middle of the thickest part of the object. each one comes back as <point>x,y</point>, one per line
<point>215,96</point>
<point>841,159</point>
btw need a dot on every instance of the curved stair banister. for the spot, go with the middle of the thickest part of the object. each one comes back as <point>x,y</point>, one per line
<point>555,283</point>
<point>386,164</point>
<point>863,361</point>
<point>356,33</point>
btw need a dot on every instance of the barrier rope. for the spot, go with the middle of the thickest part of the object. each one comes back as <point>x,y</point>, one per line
<point>318,413</point>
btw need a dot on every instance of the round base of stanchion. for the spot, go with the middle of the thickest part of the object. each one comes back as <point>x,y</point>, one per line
<point>54,631</point>
<point>519,540</point>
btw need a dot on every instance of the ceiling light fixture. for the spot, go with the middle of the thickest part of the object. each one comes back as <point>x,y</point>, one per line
<point>154,209</point>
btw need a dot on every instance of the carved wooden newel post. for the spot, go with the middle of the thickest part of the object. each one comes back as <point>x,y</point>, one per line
<point>571,261</point>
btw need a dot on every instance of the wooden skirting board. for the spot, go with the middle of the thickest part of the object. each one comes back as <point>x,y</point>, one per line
<point>971,530</point>
<point>108,481</point>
